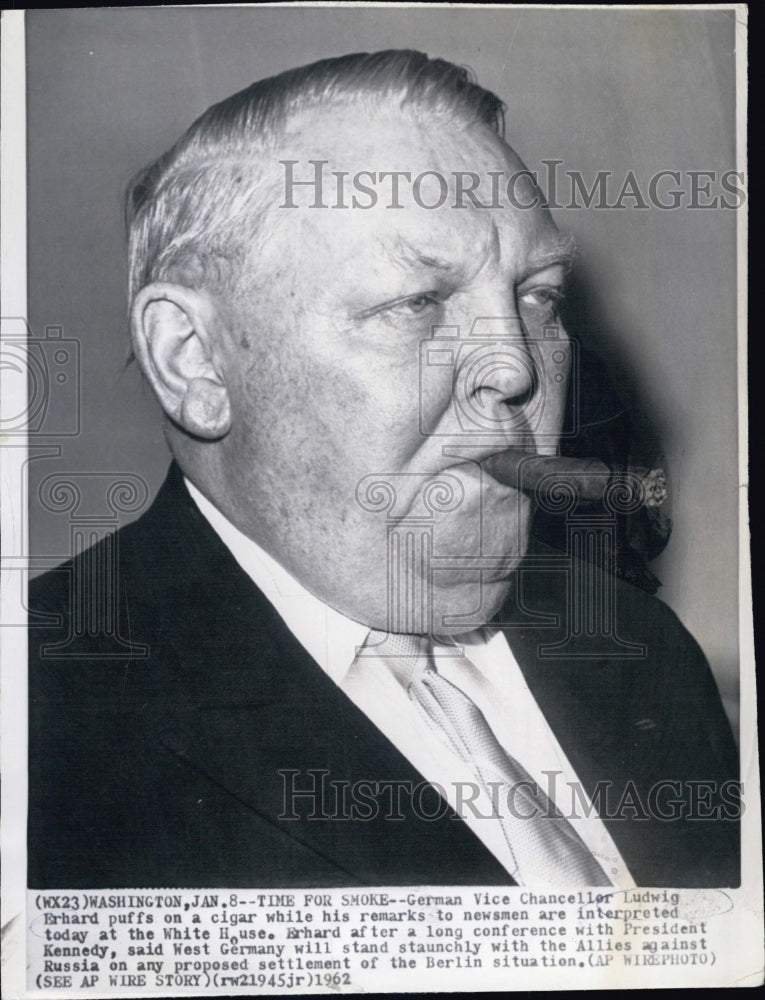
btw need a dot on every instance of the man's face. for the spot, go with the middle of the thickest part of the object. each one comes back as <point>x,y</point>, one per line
<point>377,357</point>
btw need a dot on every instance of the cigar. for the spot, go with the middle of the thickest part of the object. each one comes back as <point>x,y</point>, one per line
<point>589,478</point>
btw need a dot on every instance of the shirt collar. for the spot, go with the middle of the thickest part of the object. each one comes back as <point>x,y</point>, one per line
<point>328,636</point>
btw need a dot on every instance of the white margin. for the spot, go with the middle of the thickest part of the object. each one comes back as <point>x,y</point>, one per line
<point>13,456</point>
<point>750,901</point>
<point>13,453</point>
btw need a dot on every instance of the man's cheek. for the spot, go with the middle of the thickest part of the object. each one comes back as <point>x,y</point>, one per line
<point>506,524</point>
<point>483,529</point>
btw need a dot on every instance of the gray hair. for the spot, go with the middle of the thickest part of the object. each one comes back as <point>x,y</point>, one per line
<point>193,215</point>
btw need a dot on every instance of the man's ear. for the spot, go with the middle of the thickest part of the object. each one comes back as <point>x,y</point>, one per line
<point>173,330</point>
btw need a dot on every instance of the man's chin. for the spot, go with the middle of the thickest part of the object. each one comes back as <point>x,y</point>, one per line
<point>438,594</point>
<point>449,608</point>
<point>468,606</point>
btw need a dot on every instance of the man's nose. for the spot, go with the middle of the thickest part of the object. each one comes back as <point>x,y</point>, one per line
<point>497,377</point>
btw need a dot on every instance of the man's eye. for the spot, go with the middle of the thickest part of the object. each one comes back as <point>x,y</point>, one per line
<point>416,304</point>
<point>542,298</point>
<point>544,301</point>
<point>412,305</point>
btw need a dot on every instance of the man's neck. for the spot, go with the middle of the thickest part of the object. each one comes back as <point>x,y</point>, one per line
<point>328,636</point>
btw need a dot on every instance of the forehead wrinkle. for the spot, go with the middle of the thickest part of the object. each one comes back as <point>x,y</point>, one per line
<point>490,254</point>
<point>493,245</point>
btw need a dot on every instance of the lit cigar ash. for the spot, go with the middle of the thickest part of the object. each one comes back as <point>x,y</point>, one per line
<point>588,478</point>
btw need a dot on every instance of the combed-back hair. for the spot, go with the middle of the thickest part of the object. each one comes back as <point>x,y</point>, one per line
<point>193,216</point>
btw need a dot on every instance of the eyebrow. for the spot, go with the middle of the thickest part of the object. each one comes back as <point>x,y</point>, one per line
<point>404,253</point>
<point>559,252</point>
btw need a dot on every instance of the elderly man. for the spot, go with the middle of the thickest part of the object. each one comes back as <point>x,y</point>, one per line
<point>348,665</point>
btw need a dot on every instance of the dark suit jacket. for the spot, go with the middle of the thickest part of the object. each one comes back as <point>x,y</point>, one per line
<point>158,733</point>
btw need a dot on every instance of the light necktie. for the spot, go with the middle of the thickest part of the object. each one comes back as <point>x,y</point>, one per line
<point>546,848</point>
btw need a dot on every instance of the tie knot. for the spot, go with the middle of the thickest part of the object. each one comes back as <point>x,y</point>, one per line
<point>396,644</point>
<point>404,654</point>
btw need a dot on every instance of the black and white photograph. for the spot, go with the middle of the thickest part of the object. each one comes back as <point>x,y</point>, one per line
<point>376,586</point>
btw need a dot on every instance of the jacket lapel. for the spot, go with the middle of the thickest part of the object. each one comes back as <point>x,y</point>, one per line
<point>629,724</point>
<point>258,719</point>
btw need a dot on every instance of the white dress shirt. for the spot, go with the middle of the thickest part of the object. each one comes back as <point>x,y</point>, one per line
<point>496,685</point>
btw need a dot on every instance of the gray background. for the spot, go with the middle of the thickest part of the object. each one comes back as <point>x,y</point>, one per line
<point>109,90</point>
